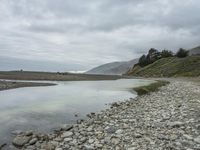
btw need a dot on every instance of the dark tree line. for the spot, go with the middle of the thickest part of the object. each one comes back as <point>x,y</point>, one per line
<point>153,55</point>
<point>182,53</point>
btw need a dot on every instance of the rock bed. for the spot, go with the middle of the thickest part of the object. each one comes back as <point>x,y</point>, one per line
<point>168,119</point>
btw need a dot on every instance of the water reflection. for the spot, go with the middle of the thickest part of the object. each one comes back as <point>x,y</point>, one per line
<point>44,108</point>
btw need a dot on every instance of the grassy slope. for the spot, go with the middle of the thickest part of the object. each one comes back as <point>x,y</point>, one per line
<point>170,67</point>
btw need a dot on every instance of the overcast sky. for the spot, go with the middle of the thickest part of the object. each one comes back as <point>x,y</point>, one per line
<point>81,34</point>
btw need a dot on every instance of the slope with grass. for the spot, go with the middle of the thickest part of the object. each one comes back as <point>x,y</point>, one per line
<point>169,67</point>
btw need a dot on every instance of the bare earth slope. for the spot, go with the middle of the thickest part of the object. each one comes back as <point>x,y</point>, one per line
<point>165,120</point>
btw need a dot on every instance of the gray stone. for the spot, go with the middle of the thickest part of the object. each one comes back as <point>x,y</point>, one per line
<point>2,145</point>
<point>88,147</point>
<point>59,149</point>
<point>67,127</point>
<point>55,143</point>
<point>58,139</point>
<point>74,142</point>
<point>187,136</point>
<point>29,133</point>
<point>83,139</point>
<point>91,141</point>
<point>173,137</point>
<point>99,145</point>
<point>20,141</point>
<point>68,139</point>
<point>110,129</point>
<point>17,132</point>
<point>137,135</point>
<point>131,148</point>
<point>48,146</point>
<point>33,141</point>
<point>67,134</point>
<point>115,140</point>
<point>119,131</point>
<point>197,140</point>
<point>89,129</point>
<point>176,124</point>
<point>30,147</point>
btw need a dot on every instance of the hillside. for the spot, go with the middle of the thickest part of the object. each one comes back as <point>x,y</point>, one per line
<point>114,68</point>
<point>195,51</point>
<point>169,67</point>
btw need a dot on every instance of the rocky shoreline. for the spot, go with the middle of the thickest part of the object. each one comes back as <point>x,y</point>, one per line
<point>167,119</point>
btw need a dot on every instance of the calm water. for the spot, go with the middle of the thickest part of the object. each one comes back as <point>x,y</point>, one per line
<point>46,108</point>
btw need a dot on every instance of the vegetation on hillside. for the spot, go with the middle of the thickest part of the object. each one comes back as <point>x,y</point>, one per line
<point>166,53</point>
<point>182,53</point>
<point>154,55</point>
<point>168,67</point>
<point>166,64</point>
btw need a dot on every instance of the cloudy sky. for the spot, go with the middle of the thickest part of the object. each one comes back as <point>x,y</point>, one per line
<point>66,35</point>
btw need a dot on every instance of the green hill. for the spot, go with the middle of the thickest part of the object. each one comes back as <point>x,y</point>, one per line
<point>169,67</point>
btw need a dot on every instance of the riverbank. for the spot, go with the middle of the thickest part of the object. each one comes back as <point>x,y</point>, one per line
<point>166,119</point>
<point>46,76</point>
<point>54,76</point>
<point>5,85</point>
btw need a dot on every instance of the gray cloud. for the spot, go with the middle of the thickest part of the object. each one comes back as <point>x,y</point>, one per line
<point>83,34</point>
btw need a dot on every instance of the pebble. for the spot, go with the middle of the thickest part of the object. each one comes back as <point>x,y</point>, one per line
<point>176,124</point>
<point>91,141</point>
<point>20,141</point>
<point>119,131</point>
<point>197,140</point>
<point>88,147</point>
<point>110,129</point>
<point>66,134</point>
<point>33,141</point>
<point>68,139</point>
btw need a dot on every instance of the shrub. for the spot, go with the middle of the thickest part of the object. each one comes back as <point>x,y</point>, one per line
<point>166,53</point>
<point>142,61</point>
<point>182,53</point>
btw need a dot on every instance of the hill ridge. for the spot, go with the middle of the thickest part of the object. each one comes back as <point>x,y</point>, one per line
<point>113,68</point>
